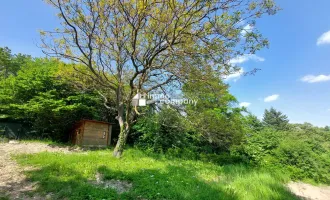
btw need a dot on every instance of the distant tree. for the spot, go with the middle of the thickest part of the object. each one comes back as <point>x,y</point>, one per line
<point>9,63</point>
<point>5,61</point>
<point>275,119</point>
<point>327,128</point>
<point>253,123</point>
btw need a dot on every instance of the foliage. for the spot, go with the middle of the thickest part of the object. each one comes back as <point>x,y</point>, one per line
<point>301,162</point>
<point>252,123</point>
<point>211,126</point>
<point>167,132</point>
<point>257,145</point>
<point>275,119</point>
<point>162,131</point>
<point>302,152</point>
<point>214,117</point>
<point>153,176</point>
<point>327,128</point>
<point>9,63</point>
<point>39,97</point>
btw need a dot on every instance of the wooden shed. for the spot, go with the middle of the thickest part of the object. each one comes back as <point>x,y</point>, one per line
<point>91,133</point>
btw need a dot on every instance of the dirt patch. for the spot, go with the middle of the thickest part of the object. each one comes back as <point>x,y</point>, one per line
<point>309,192</point>
<point>119,185</point>
<point>13,183</point>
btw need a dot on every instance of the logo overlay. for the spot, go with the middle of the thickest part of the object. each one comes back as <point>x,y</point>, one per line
<point>143,99</point>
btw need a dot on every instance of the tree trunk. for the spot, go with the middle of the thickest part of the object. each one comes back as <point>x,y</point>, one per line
<point>124,123</point>
<point>123,134</point>
<point>118,151</point>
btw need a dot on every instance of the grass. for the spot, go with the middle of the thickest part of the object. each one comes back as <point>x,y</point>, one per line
<point>153,177</point>
<point>2,197</point>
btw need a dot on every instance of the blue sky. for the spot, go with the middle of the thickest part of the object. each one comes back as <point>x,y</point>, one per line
<point>293,54</point>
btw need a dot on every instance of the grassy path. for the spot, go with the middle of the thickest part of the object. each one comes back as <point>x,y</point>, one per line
<point>13,182</point>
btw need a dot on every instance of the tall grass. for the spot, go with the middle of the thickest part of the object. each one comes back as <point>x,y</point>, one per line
<point>153,177</point>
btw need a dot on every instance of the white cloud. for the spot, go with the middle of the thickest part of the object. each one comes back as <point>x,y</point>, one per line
<point>244,58</point>
<point>324,38</point>
<point>235,76</point>
<point>270,98</point>
<point>315,79</point>
<point>239,60</point>
<point>244,104</point>
<point>247,29</point>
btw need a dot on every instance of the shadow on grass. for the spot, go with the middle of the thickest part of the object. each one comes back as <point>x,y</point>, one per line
<point>64,182</point>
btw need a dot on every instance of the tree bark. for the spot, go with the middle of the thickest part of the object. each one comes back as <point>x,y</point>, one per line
<point>118,151</point>
<point>124,120</point>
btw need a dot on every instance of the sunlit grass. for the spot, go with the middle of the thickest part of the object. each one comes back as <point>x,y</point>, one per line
<point>153,177</point>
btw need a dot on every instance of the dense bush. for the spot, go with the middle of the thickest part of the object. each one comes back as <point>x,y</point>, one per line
<point>301,161</point>
<point>170,133</point>
<point>302,152</point>
<point>161,131</point>
<point>257,145</point>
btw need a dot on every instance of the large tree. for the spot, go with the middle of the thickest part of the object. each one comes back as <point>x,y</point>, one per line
<point>132,46</point>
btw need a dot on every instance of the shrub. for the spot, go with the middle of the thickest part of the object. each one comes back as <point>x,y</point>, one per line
<point>161,131</point>
<point>300,152</point>
<point>302,162</point>
<point>257,145</point>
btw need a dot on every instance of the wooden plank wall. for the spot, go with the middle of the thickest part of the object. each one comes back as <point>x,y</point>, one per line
<point>95,134</point>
